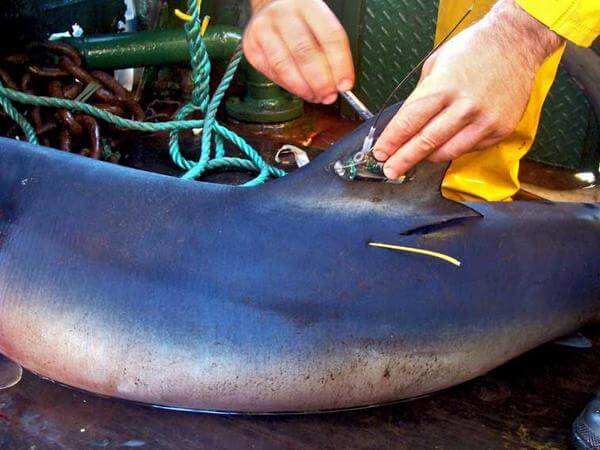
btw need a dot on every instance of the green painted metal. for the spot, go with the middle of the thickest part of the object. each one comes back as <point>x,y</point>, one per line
<point>389,38</point>
<point>148,48</point>
<point>264,101</point>
<point>212,152</point>
<point>394,35</point>
<point>561,139</point>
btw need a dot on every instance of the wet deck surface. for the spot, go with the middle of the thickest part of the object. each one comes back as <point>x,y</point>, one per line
<point>527,403</point>
<point>314,132</point>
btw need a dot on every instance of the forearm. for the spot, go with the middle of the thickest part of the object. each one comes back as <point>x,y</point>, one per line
<point>578,22</point>
<point>515,26</point>
<point>257,4</point>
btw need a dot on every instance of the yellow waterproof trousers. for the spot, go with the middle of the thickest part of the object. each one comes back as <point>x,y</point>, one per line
<point>491,174</point>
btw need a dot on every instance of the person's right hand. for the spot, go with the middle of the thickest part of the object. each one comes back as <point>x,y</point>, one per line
<point>301,46</point>
<point>472,93</point>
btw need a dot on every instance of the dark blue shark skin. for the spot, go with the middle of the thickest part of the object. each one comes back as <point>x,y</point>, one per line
<point>269,299</point>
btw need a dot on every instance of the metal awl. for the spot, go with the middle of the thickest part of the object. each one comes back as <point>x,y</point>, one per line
<point>357,105</point>
<point>364,114</point>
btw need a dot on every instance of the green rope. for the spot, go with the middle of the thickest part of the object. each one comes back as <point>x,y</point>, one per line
<point>19,118</point>
<point>202,102</point>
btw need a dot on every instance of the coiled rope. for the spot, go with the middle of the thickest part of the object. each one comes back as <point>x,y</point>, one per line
<point>212,131</point>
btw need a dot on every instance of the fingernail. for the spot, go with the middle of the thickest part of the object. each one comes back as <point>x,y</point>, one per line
<point>345,85</point>
<point>330,99</point>
<point>379,155</point>
<point>390,173</point>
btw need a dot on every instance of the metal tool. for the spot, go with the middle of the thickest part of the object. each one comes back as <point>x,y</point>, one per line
<point>357,105</point>
<point>364,114</point>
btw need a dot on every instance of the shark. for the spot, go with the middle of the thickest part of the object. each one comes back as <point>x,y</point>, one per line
<point>277,298</point>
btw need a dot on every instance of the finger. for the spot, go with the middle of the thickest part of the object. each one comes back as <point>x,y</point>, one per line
<point>281,65</point>
<point>471,138</point>
<point>435,134</point>
<point>260,63</point>
<point>308,57</point>
<point>255,56</point>
<point>332,38</point>
<point>416,112</point>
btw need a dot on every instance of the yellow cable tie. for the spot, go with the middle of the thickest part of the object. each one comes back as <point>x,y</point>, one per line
<point>187,18</point>
<point>420,251</point>
<point>182,15</point>
<point>204,25</point>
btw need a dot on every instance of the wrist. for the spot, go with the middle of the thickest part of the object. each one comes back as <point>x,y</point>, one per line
<point>255,5</point>
<point>518,26</point>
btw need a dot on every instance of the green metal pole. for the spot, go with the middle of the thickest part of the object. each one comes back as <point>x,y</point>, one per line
<point>149,48</point>
<point>264,102</point>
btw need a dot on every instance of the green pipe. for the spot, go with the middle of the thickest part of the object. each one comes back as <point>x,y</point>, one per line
<point>262,88</point>
<point>149,48</point>
<point>264,102</point>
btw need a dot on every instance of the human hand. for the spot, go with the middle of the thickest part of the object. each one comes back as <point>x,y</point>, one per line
<point>472,93</point>
<point>300,45</point>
